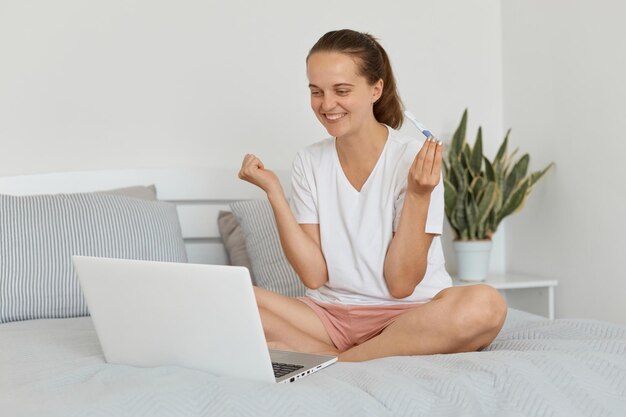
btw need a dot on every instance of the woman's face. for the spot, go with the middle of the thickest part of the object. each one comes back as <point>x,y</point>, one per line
<point>342,100</point>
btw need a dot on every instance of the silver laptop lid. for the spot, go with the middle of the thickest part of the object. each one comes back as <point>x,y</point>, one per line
<point>158,313</point>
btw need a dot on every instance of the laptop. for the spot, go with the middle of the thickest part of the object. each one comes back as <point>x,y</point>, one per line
<point>195,316</point>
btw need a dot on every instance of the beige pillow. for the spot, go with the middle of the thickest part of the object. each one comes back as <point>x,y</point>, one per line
<point>234,241</point>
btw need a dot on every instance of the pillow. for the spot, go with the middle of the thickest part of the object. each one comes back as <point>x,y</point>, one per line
<point>234,242</point>
<point>269,263</point>
<point>144,192</point>
<point>38,235</point>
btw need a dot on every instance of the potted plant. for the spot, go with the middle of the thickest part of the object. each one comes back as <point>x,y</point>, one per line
<point>479,194</point>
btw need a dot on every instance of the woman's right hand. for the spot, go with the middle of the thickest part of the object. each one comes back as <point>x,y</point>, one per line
<point>253,171</point>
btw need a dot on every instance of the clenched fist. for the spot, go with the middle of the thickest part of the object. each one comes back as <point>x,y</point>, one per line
<point>253,171</point>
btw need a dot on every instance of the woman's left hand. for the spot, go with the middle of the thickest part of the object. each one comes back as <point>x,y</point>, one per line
<point>425,172</point>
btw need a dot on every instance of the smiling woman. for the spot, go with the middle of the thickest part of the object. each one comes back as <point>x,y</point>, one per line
<point>342,99</point>
<point>372,64</point>
<point>363,228</point>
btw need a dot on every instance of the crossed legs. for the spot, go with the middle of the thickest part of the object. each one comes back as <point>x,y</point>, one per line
<point>289,324</point>
<point>457,319</point>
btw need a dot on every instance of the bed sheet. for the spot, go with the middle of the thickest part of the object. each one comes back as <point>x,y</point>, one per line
<point>535,367</point>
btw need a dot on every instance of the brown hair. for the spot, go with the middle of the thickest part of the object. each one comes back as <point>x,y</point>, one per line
<point>374,65</point>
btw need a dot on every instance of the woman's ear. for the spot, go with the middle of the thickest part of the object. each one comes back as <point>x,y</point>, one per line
<point>377,90</point>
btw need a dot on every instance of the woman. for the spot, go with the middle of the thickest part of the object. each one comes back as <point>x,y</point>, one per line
<point>362,232</point>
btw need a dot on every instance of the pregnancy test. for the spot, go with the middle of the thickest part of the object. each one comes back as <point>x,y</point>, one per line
<point>417,124</point>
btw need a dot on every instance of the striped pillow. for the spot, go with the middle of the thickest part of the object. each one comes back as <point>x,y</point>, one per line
<point>38,235</point>
<point>269,263</point>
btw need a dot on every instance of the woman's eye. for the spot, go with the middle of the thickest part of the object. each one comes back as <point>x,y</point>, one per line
<point>315,93</point>
<point>342,92</point>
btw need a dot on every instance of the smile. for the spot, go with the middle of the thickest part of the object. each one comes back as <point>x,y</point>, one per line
<point>334,116</point>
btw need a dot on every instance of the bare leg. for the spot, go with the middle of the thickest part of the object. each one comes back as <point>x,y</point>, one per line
<point>281,334</point>
<point>289,324</point>
<point>458,319</point>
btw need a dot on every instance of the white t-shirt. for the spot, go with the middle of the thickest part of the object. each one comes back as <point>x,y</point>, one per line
<point>356,227</point>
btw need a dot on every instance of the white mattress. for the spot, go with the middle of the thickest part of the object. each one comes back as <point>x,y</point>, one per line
<point>535,367</point>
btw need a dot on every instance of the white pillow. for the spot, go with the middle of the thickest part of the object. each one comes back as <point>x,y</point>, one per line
<point>269,264</point>
<point>39,234</point>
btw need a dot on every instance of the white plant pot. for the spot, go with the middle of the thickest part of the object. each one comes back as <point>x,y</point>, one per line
<point>472,259</point>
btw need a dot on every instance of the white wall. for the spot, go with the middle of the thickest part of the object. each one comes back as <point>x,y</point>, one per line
<point>109,84</point>
<point>130,84</point>
<point>138,83</point>
<point>565,96</point>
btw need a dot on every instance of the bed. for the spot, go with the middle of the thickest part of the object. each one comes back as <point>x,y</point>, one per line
<point>55,367</point>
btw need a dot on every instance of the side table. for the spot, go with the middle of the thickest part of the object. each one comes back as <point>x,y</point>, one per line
<point>507,284</point>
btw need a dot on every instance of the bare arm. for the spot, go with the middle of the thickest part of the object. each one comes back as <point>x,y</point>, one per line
<point>407,257</point>
<point>301,243</point>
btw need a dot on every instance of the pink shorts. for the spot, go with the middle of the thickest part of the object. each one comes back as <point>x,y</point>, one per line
<point>351,325</point>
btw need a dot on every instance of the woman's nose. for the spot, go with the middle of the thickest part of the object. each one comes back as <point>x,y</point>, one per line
<point>328,103</point>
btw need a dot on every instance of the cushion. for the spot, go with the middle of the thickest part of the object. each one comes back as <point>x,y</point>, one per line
<point>38,235</point>
<point>269,263</point>
<point>147,192</point>
<point>234,242</point>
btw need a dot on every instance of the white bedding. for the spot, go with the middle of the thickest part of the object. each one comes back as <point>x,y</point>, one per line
<point>535,367</point>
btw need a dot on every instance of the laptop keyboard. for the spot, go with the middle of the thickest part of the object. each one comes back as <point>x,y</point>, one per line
<point>281,369</point>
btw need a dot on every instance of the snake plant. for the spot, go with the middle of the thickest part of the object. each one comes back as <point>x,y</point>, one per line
<point>479,193</point>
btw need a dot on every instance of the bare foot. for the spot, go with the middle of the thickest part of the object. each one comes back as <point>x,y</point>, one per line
<point>280,346</point>
<point>331,351</point>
